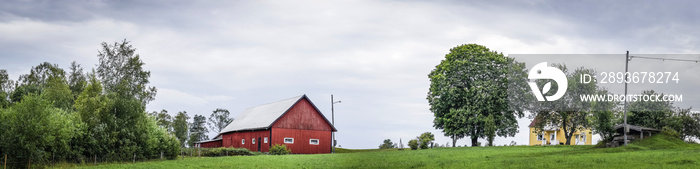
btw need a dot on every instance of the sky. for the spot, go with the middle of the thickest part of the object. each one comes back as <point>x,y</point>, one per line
<point>374,56</point>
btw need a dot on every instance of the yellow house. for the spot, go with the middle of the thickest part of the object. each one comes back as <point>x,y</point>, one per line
<point>555,136</point>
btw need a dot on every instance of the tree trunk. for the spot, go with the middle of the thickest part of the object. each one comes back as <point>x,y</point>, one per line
<point>475,140</point>
<point>454,140</point>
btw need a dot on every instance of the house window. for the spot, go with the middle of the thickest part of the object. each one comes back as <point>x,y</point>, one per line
<point>288,140</point>
<point>242,141</point>
<point>583,137</point>
<point>253,140</point>
<point>540,137</point>
<point>313,141</point>
<point>265,140</point>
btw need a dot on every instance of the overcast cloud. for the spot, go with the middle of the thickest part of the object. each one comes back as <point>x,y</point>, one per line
<point>372,55</point>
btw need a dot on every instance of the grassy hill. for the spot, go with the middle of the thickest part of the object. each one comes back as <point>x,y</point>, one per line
<point>656,152</point>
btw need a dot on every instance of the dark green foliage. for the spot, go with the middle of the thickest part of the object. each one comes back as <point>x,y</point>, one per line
<point>180,127</point>
<point>413,144</point>
<point>221,151</point>
<point>604,117</point>
<point>279,150</point>
<point>58,92</point>
<point>472,83</point>
<point>425,140</point>
<point>76,79</point>
<point>664,115</point>
<point>198,132</point>
<point>387,144</point>
<point>51,118</point>
<point>34,129</point>
<point>670,132</point>
<point>490,130</point>
<point>648,113</point>
<point>6,88</point>
<point>219,119</point>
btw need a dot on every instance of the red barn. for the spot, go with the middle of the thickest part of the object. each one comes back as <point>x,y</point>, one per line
<point>295,122</point>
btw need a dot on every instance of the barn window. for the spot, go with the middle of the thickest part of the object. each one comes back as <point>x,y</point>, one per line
<point>288,140</point>
<point>242,141</point>
<point>253,140</point>
<point>265,140</point>
<point>313,141</point>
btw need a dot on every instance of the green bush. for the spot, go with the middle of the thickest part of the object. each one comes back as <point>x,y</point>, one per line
<point>670,132</point>
<point>217,152</point>
<point>413,144</point>
<point>279,150</point>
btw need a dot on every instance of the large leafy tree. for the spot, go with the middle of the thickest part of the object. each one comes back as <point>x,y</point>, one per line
<point>471,84</point>
<point>659,114</point>
<point>650,113</point>
<point>198,130</point>
<point>121,71</point>
<point>180,127</point>
<point>219,119</point>
<point>569,113</point>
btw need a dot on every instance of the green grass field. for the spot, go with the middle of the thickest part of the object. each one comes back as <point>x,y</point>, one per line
<point>656,152</point>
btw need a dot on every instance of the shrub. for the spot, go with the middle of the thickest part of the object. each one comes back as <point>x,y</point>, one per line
<point>425,139</point>
<point>413,144</point>
<point>387,144</point>
<point>279,150</point>
<point>670,132</point>
<point>222,151</point>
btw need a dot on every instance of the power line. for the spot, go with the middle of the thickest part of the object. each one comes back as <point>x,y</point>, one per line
<point>665,59</point>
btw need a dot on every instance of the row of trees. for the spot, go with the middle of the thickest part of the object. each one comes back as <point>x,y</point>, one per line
<point>479,93</point>
<point>189,133</point>
<point>76,115</point>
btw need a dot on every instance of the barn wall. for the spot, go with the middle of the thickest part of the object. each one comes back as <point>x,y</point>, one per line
<point>212,144</point>
<point>303,116</point>
<point>234,140</point>
<point>301,143</point>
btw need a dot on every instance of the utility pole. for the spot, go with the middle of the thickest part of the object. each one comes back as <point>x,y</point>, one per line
<point>333,123</point>
<point>627,62</point>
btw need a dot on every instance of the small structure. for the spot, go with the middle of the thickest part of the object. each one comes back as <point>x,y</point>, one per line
<point>633,133</point>
<point>294,122</point>
<point>214,143</point>
<point>554,135</point>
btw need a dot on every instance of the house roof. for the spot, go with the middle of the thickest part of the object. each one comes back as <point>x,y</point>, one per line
<point>263,116</point>
<point>533,123</point>
<point>205,141</point>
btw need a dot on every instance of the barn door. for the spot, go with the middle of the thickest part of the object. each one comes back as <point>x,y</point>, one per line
<point>259,144</point>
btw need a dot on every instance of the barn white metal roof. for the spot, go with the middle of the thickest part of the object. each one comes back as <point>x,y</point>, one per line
<point>261,117</point>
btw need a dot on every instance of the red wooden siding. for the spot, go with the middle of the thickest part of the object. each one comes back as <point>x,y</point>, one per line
<point>211,144</point>
<point>234,140</point>
<point>303,116</point>
<point>301,143</point>
<point>301,122</point>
